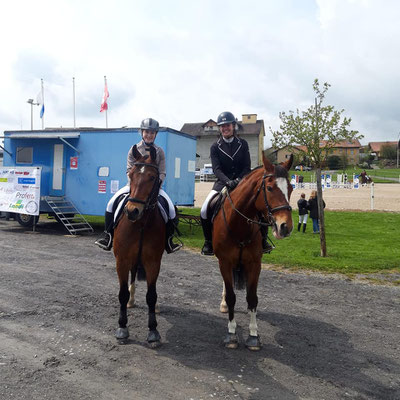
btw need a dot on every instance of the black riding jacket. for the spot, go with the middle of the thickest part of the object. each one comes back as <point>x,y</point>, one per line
<point>303,206</point>
<point>229,160</point>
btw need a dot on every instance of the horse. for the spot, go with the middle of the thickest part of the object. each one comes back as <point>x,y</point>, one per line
<point>265,192</point>
<point>365,179</point>
<point>139,242</point>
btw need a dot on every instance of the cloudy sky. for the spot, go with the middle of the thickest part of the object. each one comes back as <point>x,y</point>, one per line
<point>187,60</point>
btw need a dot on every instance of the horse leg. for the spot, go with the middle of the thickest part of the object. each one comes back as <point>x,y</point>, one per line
<point>153,337</point>
<point>132,288</point>
<point>231,341</point>
<point>253,341</point>
<point>223,307</point>
<point>122,331</point>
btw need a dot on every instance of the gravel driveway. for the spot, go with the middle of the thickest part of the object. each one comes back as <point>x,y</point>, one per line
<point>324,337</point>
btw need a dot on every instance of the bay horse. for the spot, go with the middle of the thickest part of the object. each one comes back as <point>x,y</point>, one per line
<point>265,192</point>
<point>139,241</point>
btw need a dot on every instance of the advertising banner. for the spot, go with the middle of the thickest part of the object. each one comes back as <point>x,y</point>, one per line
<point>20,189</point>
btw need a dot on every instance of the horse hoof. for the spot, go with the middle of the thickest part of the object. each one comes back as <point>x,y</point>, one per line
<point>253,343</point>
<point>153,339</point>
<point>231,341</point>
<point>223,308</point>
<point>122,333</point>
<point>130,304</point>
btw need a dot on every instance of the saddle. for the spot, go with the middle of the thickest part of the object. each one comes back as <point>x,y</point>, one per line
<point>215,204</point>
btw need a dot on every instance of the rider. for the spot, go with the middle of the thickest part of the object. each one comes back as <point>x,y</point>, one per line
<point>230,158</point>
<point>149,129</point>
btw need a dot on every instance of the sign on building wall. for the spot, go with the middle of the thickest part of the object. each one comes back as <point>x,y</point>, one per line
<point>20,189</point>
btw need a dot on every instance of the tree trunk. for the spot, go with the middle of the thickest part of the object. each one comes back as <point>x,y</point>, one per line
<point>321,213</point>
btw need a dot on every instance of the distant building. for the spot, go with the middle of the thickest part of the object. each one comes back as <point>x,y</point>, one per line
<point>376,147</point>
<point>349,149</point>
<point>207,133</point>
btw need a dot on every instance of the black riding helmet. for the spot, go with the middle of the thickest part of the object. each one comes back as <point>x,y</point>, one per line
<point>149,124</point>
<point>226,117</point>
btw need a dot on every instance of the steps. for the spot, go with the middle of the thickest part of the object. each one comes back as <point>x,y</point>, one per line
<point>69,215</point>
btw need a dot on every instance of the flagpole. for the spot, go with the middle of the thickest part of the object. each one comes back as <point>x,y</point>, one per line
<point>105,85</point>
<point>42,103</point>
<point>73,98</point>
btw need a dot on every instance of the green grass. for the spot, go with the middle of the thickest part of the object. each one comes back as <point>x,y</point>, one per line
<point>376,174</point>
<point>364,242</point>
<point>357,243</point>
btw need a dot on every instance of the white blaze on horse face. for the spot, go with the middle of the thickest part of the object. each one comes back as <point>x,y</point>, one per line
<point>283,186</point>
<point>141,170</point>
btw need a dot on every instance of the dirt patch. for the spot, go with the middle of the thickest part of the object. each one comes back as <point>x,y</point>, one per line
<point>324,337</point>
<point>386,197</point>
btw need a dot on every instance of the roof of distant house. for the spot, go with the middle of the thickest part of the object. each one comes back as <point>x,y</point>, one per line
<point>198,128</point>
<point>376,146</point>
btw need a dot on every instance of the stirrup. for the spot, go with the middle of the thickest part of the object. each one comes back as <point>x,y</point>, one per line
<point>173,247</point>
<point>266,246</point>
<point>105,242</point>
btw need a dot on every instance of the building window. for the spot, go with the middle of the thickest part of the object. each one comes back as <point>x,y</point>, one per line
<point>351,152</point>
<point>24,155</point>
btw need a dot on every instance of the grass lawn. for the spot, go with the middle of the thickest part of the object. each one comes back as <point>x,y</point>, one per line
<point>309,176</point>
<point>357,242</point>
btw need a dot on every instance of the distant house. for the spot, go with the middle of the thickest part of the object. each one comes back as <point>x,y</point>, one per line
<point>207,133</point>
<point>376,147</point>
<point>349,149</point>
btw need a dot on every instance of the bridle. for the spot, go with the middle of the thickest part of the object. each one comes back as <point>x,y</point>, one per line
<point>151,200</point>
<point>263,187</point>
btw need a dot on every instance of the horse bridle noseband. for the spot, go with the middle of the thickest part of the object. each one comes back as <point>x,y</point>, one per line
<point>154,190</point>
<point>270,210</point>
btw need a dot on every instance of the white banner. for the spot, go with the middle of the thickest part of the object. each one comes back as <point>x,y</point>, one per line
<point>20,189</point>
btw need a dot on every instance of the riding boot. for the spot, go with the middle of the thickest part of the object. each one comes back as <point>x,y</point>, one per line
<point>106,241</point>
<point>207,249</point>
<point>170,246</point>
<point>304,228</point>
<point>266,247</point>
<point>298,227</point>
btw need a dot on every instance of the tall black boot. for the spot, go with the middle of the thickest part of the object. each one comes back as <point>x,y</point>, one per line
<point>170,227</point>
<point>207,249</point>
<point>298,226</point>
<point>106,241</point>
<point>266,247</point>
<point>304,228</point>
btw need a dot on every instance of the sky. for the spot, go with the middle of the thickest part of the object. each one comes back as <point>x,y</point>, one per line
<point>182,61</point>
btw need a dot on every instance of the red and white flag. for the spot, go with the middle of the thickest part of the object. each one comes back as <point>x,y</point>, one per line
<point>104,105</point>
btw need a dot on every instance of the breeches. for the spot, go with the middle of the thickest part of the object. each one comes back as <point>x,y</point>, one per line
<point>203,212</point>
<point>303,218</point>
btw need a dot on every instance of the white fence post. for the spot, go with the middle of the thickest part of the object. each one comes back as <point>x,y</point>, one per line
<point>372,195</point>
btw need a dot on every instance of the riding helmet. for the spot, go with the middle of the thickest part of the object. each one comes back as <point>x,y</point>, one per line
<point>226,117</point>
<point>149,124</point>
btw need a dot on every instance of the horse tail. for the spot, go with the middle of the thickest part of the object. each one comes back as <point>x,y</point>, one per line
<point>238,276</point>
<point>140,271</point>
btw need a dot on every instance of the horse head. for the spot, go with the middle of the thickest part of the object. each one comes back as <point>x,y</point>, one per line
<point>274,199</point>
<point>144,184</point>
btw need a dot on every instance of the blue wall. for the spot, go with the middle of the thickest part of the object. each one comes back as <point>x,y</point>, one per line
<point>107,148</point>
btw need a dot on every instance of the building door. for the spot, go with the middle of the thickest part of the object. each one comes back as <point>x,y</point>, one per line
<point>57,183</point>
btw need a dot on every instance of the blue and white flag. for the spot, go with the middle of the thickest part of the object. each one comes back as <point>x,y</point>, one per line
<point>39,100</point>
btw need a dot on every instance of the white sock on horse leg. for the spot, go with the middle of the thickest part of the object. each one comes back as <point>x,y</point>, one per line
<point>253,328</point>
<point>232,326</point>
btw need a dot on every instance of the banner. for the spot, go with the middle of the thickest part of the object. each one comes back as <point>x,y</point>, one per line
<point>20,189</point>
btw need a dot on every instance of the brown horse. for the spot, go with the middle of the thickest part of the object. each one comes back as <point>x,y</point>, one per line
<point>237,239</point>
<point>139,241</point>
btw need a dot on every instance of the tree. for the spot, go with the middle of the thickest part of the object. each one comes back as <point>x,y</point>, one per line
<point>389,152</point>
<point>318,129</point>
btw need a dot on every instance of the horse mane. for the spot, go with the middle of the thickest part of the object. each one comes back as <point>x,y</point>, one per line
<point>280,172</point>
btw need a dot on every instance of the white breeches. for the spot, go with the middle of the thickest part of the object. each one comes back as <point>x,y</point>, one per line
<point>303,218</point>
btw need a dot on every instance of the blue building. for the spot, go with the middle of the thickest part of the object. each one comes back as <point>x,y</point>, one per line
<point>87,165</point>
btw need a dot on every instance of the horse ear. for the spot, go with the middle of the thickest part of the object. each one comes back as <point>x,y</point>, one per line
<point>287,164</point>
<point>153,154</point>
<point>269,167</point>
<point>135,152</point>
